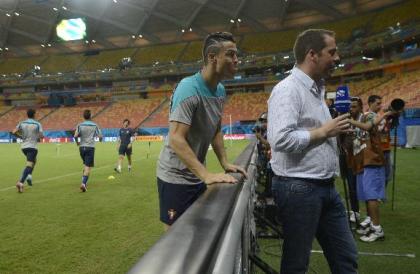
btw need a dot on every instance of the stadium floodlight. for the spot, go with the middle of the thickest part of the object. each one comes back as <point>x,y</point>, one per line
<point>17,13</point>
<point>42,45</point>
<point>8,14</point>
<point>133,36</point>
<point>140,36</point>
<point>71,29</point>
<point>232,21</point>
<point>64,8</point>
<point>55,9</point>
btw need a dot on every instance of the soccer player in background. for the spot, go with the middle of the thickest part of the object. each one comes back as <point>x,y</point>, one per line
<point>195,121</point>
<point>30,131</point>
<point>87,131</point>
<point>125,141</point>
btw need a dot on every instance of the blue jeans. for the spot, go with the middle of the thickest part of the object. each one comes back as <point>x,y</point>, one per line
<point>308,210</point>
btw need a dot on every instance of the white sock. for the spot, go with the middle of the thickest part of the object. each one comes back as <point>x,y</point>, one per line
<point>129,166</point>
<point>376,227</point>
<point>119,167</point>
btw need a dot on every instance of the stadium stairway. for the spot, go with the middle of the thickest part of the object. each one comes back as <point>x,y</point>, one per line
<point>102,110</point>
<point>49,113</point>
<point>151,115</point>
<point>9,110</point>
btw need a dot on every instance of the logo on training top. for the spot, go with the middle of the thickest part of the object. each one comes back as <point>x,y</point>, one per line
<point>171,214</point>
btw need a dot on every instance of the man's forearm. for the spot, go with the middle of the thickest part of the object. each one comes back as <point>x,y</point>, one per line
<point>184,152</point>
<point>219,149</point>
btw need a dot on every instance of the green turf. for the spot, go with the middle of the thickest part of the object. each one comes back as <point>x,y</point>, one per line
<point>401,226</point>
<point>54,228</point>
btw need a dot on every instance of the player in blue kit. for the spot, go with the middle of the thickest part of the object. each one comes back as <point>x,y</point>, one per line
<point>125,141</point>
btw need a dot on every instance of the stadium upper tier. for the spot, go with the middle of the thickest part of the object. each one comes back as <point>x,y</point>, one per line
<point>253,43</point>
<point>105,59</point>
<point>134,110</point>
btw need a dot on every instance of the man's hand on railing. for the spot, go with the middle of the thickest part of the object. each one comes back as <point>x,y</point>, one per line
<point>213,178</point>
<point>234,168</point>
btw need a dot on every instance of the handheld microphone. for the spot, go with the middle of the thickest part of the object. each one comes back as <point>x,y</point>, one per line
<point>342,99</point>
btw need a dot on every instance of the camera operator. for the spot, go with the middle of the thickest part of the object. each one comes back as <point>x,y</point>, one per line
<point>260,131</point>
<point>354,156</point>
<point>371,185</point>
<point>264,154</point>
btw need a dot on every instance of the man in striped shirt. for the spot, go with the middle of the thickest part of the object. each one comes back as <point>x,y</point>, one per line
<point>29,131</point>
<point>302,135</point>
<point>87,131</point>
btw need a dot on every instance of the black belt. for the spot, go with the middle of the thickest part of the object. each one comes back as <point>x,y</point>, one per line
<point>328,181</point>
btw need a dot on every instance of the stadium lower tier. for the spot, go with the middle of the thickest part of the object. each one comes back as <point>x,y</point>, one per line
<point>237,131</point>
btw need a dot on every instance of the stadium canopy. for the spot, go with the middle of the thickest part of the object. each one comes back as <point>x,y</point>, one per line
<point>28,27</point>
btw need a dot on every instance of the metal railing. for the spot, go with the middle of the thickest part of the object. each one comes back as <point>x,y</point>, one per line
<point>210,237</point>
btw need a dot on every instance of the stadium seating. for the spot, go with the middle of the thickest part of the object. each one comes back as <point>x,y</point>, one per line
<point>20,65</point>
<point>193,52</point>
<point>67,118</point>
<point>405,86</point>
<point>9,120</point>
<point>161,53</point>
<point>409,10</point>
<point>269,42</point>
<point>62,63</point>
<point>4,109</point>
<point>135,110</point>
<point>245,107</point>
<point>106,59</point>
<point>159,118</point>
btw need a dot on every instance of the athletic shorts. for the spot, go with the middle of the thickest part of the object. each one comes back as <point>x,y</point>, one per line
<point>371,184</point>
<point>124,150</point>
<point>175,199</point>
<point>88,156</point>
<point>30,154</point>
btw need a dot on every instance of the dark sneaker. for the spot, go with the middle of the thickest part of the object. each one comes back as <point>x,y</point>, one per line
<point>117,170</point>
<point>83,187</point>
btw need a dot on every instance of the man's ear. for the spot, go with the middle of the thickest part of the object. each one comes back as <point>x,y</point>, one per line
<point>211,57</point>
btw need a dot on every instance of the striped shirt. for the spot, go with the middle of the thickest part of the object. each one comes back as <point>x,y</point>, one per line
<point>31,130</point>
<point>295,107</point>
<point>87,131</point>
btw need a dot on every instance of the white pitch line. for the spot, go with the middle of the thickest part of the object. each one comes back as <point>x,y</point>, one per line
<point>409,255</point>
<point>61,176</point>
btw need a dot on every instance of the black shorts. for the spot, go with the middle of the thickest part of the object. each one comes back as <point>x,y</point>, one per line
<point>175,199</point>
<point>124,150</point>
<point>30,154</point>
<point>88,156</point>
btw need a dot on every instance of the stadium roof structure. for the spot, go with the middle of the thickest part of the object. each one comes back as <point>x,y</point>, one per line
<point>28,26</point>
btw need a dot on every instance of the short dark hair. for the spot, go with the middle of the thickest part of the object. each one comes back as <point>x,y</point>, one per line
<point>126,120</point>
<point>373,98</point>
<point>31,113</point>
<point>86,114</point>
<point>310,39</point>
<point>358,100</point>
<point>212,43</point>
